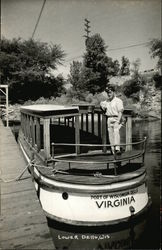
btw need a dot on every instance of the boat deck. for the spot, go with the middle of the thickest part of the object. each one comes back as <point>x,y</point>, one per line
<point>95,158</point>
<point>94,168</point>
<point>23,223</point>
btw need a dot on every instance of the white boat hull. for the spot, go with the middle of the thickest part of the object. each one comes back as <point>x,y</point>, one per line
<point>92,204</point>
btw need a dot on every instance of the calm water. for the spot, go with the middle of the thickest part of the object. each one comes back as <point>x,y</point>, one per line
<point>145,233</point>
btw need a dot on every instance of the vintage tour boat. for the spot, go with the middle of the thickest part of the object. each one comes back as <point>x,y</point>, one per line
<point>77,179</point>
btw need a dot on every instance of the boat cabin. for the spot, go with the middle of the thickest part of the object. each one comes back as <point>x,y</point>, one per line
<point>76,135</point>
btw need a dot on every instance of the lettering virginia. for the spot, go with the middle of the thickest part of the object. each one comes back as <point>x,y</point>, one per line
<point>115,203</point>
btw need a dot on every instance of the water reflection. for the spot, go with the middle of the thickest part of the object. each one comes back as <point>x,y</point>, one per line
<point>153,162</point>
<point>118,237</point>
<point>152,130</point>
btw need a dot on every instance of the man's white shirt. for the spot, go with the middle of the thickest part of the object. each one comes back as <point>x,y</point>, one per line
<point>112,107</point>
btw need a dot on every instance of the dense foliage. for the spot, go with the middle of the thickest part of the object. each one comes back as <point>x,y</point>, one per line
<point>93,74</point>
<point>156,51</point>
<point>132,87</point>
<point>24,66</point>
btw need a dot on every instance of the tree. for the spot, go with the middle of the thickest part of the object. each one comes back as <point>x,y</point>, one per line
<point>93,74</point>
<point>125,67</point>
<point>75,76</point>
<point>77,79</point>
<point>24,66</point>
<point>156,51</point>
<point>97,66</point>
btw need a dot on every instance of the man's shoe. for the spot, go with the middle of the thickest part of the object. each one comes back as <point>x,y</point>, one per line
<point>118,152</point>
<point>122,150</point>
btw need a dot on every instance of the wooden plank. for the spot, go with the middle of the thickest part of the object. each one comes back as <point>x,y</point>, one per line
<point>99,124</point>
<point>15,196</point>
<point>10,188</point>
<point>82,121</point>
<point>28,128</point>
<point>23,231</point>
<point>13,221</point>
<point>25,243</point>
<point>86,122</point>
<point>11,208</point>
<point>33,131</point>
<point>27,239</point>
<point>22,122</point>
<point>38,138</point>
<point>42,245</point>
<point>129,133</point>
<point>12,171</point>
<point>25,127</point>
<point>104,132</point>
<point>46,134</point>
<point>77,134</point>
<point>92,122</point>
<point>72,122</point>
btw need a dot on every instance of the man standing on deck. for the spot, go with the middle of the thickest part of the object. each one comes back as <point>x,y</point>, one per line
<point>113,109</point>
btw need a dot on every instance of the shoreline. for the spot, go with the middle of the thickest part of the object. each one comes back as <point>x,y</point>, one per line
<point>147,119</point>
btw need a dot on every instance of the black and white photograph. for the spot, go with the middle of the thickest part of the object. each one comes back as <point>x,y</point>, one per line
<point>80,124</point>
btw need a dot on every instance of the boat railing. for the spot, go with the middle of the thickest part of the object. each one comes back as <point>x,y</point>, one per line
<point>115,159</point>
